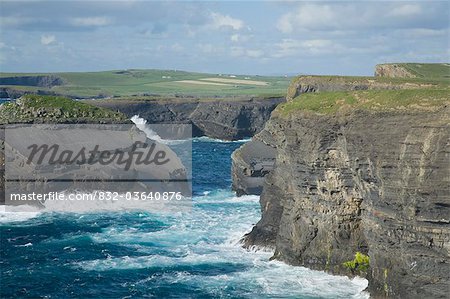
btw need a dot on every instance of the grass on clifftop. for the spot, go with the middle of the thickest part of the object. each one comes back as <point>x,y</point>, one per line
<point>331,102</point>
<point>37,108</point>
<point>428,70</point>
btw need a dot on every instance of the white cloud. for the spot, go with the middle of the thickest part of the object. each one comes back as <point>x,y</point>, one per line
<point>237,51</point>
<point>307,16</point>
<point>406,10</point>
<point>176,47</point>
<point>219,21</point>
<point>91,21</point>
<point>292,47</point>
<point>352,16</point>
<point>16,21</point>
<point>254,53</point>
<point>207,48</point>
<point>48,39</point>
<point>242,52</point>
<point>239,38</point>
<point>422,32</point>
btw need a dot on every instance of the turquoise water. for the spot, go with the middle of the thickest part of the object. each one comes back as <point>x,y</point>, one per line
<point>138,254</point>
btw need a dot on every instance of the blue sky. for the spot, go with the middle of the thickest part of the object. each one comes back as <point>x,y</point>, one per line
<point>254,37</point>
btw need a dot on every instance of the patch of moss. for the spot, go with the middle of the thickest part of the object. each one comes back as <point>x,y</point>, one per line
<point>360,264</point>
<point>386,287</point>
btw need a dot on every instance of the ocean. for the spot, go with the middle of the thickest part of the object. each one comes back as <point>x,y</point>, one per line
<point>108,252</point>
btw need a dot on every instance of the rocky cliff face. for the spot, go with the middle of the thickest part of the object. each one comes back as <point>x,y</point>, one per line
<point>8,92</point>
<point>305,84</point>
<point>392,71</point>
<point>373,182</point>
<point>251,163</point>
<point>227,119</point>
<point>41,81</point>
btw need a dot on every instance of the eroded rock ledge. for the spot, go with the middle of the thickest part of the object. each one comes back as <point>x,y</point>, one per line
<point>376,182</point>
<point>225,118</point>
<point>306,84</point>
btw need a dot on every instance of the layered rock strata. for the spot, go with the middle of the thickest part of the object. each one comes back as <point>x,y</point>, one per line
<point>362,181</point>
<point>227,119</point>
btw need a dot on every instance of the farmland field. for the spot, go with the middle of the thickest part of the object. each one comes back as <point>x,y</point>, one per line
<point>154,82</point>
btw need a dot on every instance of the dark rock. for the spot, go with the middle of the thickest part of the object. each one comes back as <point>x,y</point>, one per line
<point>250,164</point>
<point>373,182</point>
<point>8,92</point>
<point>392,70</point>
<point>227,119</point>
<point>305,84</point>
<point>40,81</point>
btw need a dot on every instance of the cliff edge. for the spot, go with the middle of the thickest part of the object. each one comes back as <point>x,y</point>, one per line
<point>413,70</point>
<point>367,173</point>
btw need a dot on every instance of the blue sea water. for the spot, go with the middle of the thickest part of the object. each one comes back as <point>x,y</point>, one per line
<point>139,254</point>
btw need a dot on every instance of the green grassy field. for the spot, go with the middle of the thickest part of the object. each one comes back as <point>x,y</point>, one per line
<point>380,100</point>
<point>161,82</point>
<point>428,70</point>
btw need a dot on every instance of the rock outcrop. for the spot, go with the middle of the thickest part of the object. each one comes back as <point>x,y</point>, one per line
<point>13,93</point>
<point>368,181</point>
<point>226,118</point>
<point>107,129</point>
<point>392,70</point>
<point>40,81</point>
<point>305,84</point>
<point>52,109</point>
<point>43,173</point>
<point>251,163</point>
<point>251,180</point>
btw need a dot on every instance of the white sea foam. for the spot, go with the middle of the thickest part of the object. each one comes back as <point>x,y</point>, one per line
<point>25,245</point>
<point>17,213</point>
<point>208,139</point>
<point>142,125</point>
<point>210,235</point>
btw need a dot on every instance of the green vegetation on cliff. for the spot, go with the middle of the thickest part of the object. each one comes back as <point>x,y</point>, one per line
<point>359,265</point>
<point>378,100</point>
<point>37,108</point>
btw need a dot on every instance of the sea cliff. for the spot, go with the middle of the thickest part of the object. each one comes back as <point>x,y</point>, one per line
<point>361,171</point>
<point>221,118</point>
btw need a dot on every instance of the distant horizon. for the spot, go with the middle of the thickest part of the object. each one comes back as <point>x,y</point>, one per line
<point>242,37</point>
<point>218,73</point>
